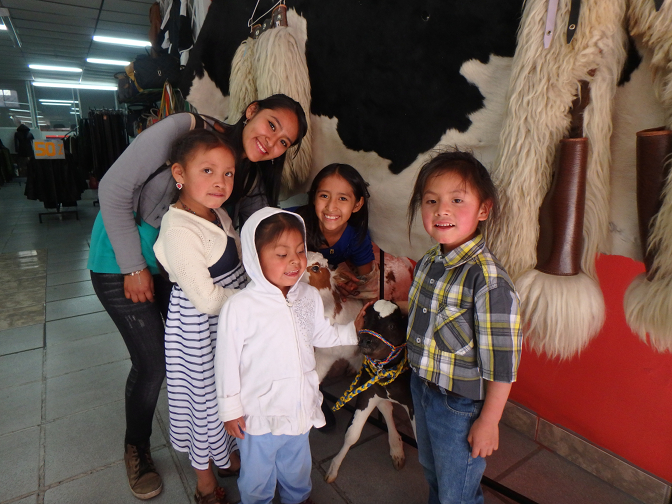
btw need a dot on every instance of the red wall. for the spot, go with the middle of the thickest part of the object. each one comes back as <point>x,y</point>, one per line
<point>617,393</point>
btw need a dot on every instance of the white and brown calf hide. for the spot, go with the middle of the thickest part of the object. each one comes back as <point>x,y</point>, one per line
<point>338,309</point>
<point>386,319</point>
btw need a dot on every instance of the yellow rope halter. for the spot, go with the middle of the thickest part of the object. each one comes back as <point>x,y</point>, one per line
<point>378,375</point>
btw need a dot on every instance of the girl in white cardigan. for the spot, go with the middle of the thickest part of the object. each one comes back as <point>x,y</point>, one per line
<point>267,386</point>
<point>199,249</point>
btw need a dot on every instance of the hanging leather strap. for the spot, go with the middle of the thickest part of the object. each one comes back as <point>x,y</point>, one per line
<point>550,22</point>
<point>381,272</point>
<point>573,22</point>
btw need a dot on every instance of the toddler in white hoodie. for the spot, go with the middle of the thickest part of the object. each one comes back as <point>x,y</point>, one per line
<point>267,386</point>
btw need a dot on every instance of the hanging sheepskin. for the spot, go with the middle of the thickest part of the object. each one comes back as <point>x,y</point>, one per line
<point>648,300</point>
<point>275,63</point>
<point>242,86</point>
<point>280,67</point>
<point>562,311</point>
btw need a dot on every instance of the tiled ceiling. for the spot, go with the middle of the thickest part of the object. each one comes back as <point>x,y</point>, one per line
<point>61,33</point>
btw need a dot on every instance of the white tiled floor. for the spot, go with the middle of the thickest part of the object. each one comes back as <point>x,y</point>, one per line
<point>62,379</point>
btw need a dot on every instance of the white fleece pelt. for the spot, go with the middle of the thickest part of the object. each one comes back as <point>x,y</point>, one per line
<point>242,86</point>
<point>544,82</point>
<point>648,303</point>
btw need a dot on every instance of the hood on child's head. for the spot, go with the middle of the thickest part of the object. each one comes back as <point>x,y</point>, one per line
<point>250,256</point>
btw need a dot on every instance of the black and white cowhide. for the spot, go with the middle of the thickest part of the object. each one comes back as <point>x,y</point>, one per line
<point>382,321</point>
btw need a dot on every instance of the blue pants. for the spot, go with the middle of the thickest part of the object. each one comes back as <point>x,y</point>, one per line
<point>442,426</point>
<point>268,459</point>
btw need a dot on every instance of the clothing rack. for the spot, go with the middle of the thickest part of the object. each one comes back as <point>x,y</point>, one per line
<point>108,138</point>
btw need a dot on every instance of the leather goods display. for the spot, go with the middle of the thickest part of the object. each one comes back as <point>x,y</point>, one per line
<point>152,72</point>
<point>126,88</point>
<point>653,147</point>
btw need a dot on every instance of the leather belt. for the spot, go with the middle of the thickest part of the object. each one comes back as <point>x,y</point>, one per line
<point>573,19</point>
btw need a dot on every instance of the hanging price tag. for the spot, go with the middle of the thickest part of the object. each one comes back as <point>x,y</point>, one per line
<point>52,149</point>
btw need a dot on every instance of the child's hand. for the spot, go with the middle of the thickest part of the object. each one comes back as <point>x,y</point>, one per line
<point>359,321</point>
<point>348,288</point>
<point>236,428</point>
<point>483,438</point>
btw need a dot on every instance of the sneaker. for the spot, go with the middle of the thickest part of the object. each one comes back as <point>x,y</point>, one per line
<point>216,497</point>
<point>143,479</point>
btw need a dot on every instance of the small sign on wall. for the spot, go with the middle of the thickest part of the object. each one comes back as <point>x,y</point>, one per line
<point>48,149</point>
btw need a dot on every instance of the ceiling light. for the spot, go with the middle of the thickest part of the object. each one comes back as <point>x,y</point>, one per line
<point>57,104</point>
<point>122,41</point>
<point>54,68</point>
<point>75,85</point>
<point>46,100</point>
<point>108,62</point>
<point>9,27</point>
<point>19,110</point>
<point>3,27</point>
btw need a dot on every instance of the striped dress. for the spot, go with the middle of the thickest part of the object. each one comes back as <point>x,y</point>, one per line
<point>191,336</point>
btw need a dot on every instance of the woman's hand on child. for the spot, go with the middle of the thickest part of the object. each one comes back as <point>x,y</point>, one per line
<point>139,287</point>
<point>359,321</point>
<point>236,428</point>
<point>483,438</point>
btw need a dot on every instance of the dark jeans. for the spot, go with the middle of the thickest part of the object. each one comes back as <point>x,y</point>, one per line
<point>141,326</point>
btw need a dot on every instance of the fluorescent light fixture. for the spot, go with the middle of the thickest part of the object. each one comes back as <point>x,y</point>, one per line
<point>46,100</point>
<point>57,104</point>
<point>19,110</point>
<point>9,27</point>
<point>108,62</point>
<point>122,41</point>
<point>3,27</point>
<point>54,68</point>
<point>75,85</point>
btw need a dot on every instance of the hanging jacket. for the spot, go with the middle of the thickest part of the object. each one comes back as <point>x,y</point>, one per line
<point>23,141</point>
<point>265,362</point>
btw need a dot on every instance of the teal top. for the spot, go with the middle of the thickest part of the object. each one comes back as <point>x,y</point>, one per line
<point>102,258</point>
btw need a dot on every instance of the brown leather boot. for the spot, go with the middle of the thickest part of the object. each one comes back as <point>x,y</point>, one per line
<point>143,479</point>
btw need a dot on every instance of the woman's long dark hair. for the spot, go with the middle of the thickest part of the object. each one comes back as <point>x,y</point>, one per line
<point>269,173</point>
<point>315,240</point>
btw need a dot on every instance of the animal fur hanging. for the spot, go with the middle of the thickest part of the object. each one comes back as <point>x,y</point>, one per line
<point>280,67</point>
<point>648,301</point>
<point>562,313</point>
<point>242,86</point>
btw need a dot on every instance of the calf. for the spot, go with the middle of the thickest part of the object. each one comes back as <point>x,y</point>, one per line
<point>383,343</point>
<point>337,309</point>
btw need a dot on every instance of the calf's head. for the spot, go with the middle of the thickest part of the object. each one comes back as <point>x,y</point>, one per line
<point>318,274</point>
<point>384,318</point>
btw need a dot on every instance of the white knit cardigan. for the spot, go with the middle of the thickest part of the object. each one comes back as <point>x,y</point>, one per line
<point>186,247</point>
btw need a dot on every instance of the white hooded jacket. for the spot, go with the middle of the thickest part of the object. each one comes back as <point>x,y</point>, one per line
<point>265,361</point>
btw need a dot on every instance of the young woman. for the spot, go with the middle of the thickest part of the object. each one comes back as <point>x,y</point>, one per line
<point>134,196</point>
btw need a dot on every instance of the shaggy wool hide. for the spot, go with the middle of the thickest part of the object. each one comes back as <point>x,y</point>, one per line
<point>390,83</point>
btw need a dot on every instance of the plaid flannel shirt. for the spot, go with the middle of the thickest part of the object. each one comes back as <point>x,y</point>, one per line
<point>464,320</point>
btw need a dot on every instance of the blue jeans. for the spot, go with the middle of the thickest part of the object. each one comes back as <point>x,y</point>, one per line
<point>141,327</point>
<point>268,459</point>
<point>442,426</point>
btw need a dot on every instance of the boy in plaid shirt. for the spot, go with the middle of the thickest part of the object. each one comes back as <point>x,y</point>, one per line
<point>464,332</point>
